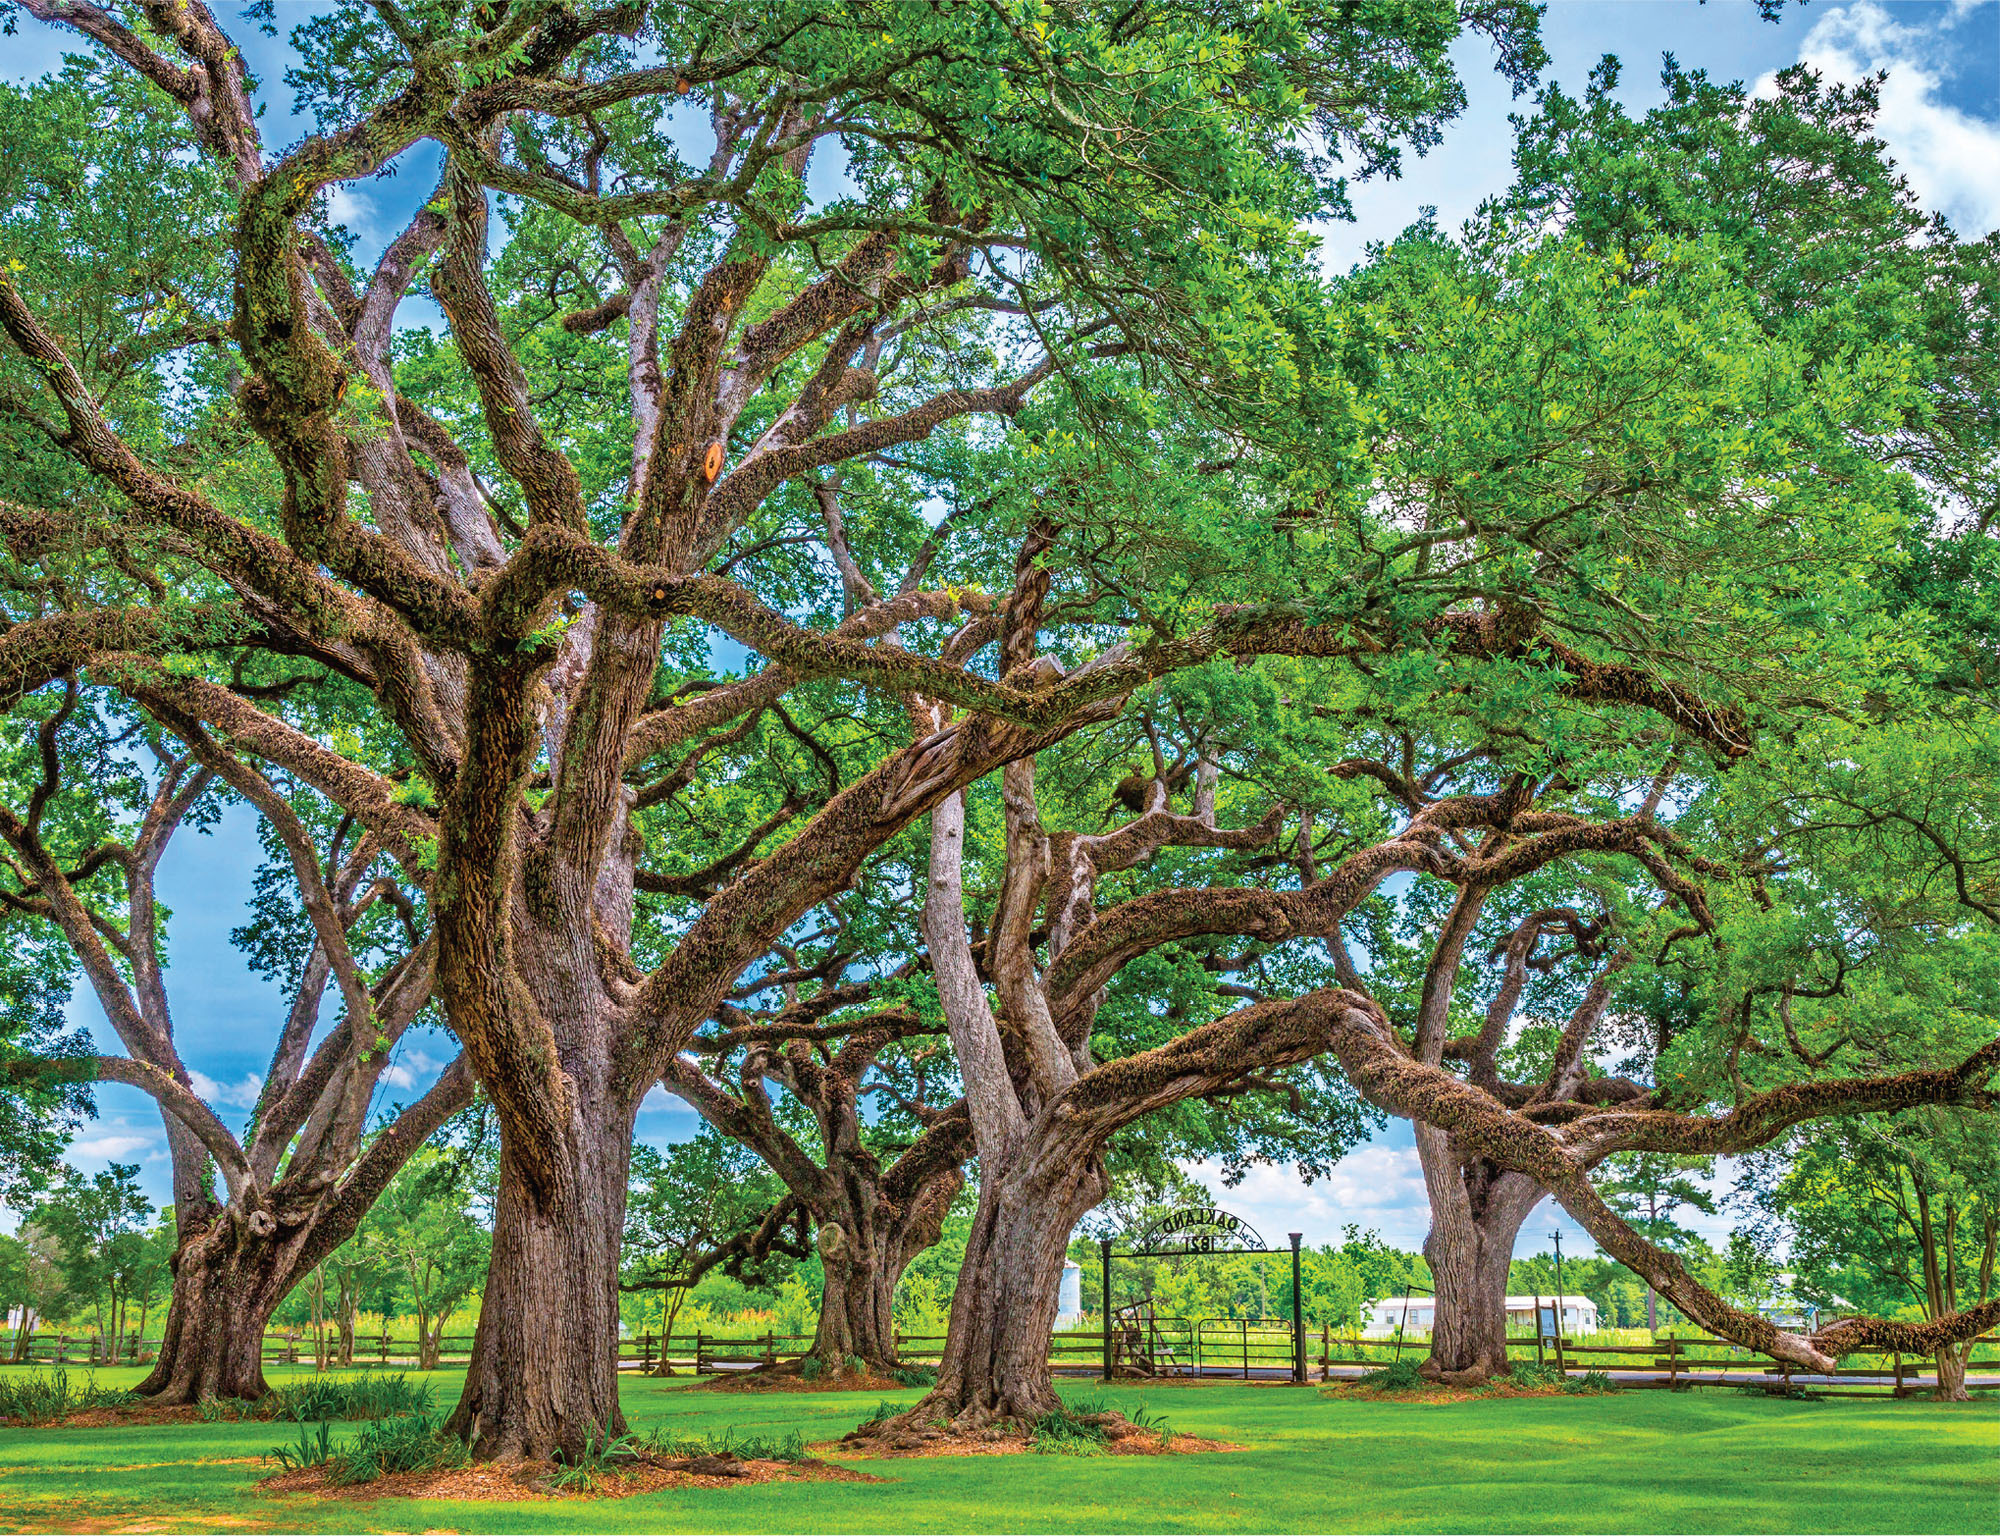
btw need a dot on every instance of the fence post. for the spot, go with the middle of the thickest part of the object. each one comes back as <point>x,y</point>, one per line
<point>700,1352</point>
<point>1325,1350</point>
<point>770,1347</point>
<point>1243,1329</point>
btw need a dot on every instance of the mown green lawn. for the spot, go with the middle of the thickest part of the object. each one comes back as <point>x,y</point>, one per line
<point>1634,1461</point>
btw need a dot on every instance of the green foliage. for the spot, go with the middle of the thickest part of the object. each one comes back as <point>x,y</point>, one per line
<point>788,1447</point>
<point>1397,1376</point>
<point>416,1442</point>
<point>313,1448</point>
<point>1069,1431</point>
<point>360,1396</point>
<point>1530,1376</point>
<point>1592,1383</point>
<point>49,1397</point>
<point>915,1375</point>
<point>600,1456</point>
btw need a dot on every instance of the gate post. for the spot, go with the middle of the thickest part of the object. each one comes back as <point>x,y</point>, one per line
<point>1104,1253</point>
<point>1298,1317</point>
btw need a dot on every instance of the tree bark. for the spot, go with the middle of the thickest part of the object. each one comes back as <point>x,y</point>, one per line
<point>227,1283</point>
<point>544,1371</point>
<point>996,1360</point>
<point>856,1318</point>
<point>1476,1215</point>
<point>1951,1375</point>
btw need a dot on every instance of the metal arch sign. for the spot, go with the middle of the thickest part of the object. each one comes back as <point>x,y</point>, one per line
<point>1199,1229</point>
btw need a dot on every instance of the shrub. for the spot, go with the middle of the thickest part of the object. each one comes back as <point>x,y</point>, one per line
<point>413,1442</point>
<point>882,1410</point>
<point>312,1449</point>
<point>348,1397</point>
<point>1397,1376</point>
<point>811,1368</point>
<point>914,1375</point>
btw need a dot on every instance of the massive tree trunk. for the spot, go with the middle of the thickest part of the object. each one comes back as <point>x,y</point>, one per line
<point>996,1360</point>
<point>855,1316</point>
<point>1476,1215</point>
<point>544,1371</point>
<point>228,1279</point>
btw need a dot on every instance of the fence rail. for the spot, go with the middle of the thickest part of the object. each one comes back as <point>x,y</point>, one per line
<point>1205,1346</point>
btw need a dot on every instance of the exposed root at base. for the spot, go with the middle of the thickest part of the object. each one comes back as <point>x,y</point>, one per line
<point>516,1481</point>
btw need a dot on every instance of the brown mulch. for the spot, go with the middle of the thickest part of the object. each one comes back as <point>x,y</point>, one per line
<point>1436,1395</point>
<point>791,1381</point>
<point>997,1440</point>
<point>531,1480</point>
<point>129,1413</point>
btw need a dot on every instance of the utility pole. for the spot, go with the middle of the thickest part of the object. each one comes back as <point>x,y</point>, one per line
<point>1557,1235</point>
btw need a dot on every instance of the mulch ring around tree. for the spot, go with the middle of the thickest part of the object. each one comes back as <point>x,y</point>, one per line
<point>1122,1438</point>
<point>791,1381</point>
<point>1439,1395</point>
<point>535,1480</point>
<point>125,1413</point>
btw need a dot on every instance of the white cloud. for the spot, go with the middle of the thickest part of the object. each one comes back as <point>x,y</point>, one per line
<point>109,1147</point>
<point>238,1095</point>
<point>410,1069</point>
<point>1378,1186</point>
<point>344,205</point>
<point>1948,155</point>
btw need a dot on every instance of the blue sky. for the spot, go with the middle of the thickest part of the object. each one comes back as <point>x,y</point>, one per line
<point>1941,118</point>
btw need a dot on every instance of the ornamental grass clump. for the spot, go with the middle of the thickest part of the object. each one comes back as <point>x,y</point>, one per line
<point>1397,1376</point>
<point>413,1442</point>
<point>313,1448</point>
<point>1071,1430</point>
<point>46,1397</point>
<point>1590,1384</point>
<point>350,1397</point>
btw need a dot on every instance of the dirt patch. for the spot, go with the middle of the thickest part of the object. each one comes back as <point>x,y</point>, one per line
<point>998,1440</point>
<point>532,1480</point>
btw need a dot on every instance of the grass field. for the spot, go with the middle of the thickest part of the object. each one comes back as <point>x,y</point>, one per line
<point>1633,1461</point>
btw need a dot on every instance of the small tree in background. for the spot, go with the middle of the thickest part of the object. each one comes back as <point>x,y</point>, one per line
<point>703,1204</point>
<point>1646,1188</point>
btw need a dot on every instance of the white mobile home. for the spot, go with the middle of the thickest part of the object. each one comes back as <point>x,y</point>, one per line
<point>1579,1314</point>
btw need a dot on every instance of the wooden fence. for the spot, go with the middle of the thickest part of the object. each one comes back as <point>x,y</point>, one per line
<point>1208,1346</point>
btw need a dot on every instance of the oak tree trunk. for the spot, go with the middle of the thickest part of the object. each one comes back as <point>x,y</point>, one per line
<point>1469,1328</point>
<point>856,1319</point>
<point>544,1370</point>
<point>1003,1314</point>
<point>227,1283</point>
<point>1476,1215</point>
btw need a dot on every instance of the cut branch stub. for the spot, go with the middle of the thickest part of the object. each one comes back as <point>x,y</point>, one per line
<point>711,463</point>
